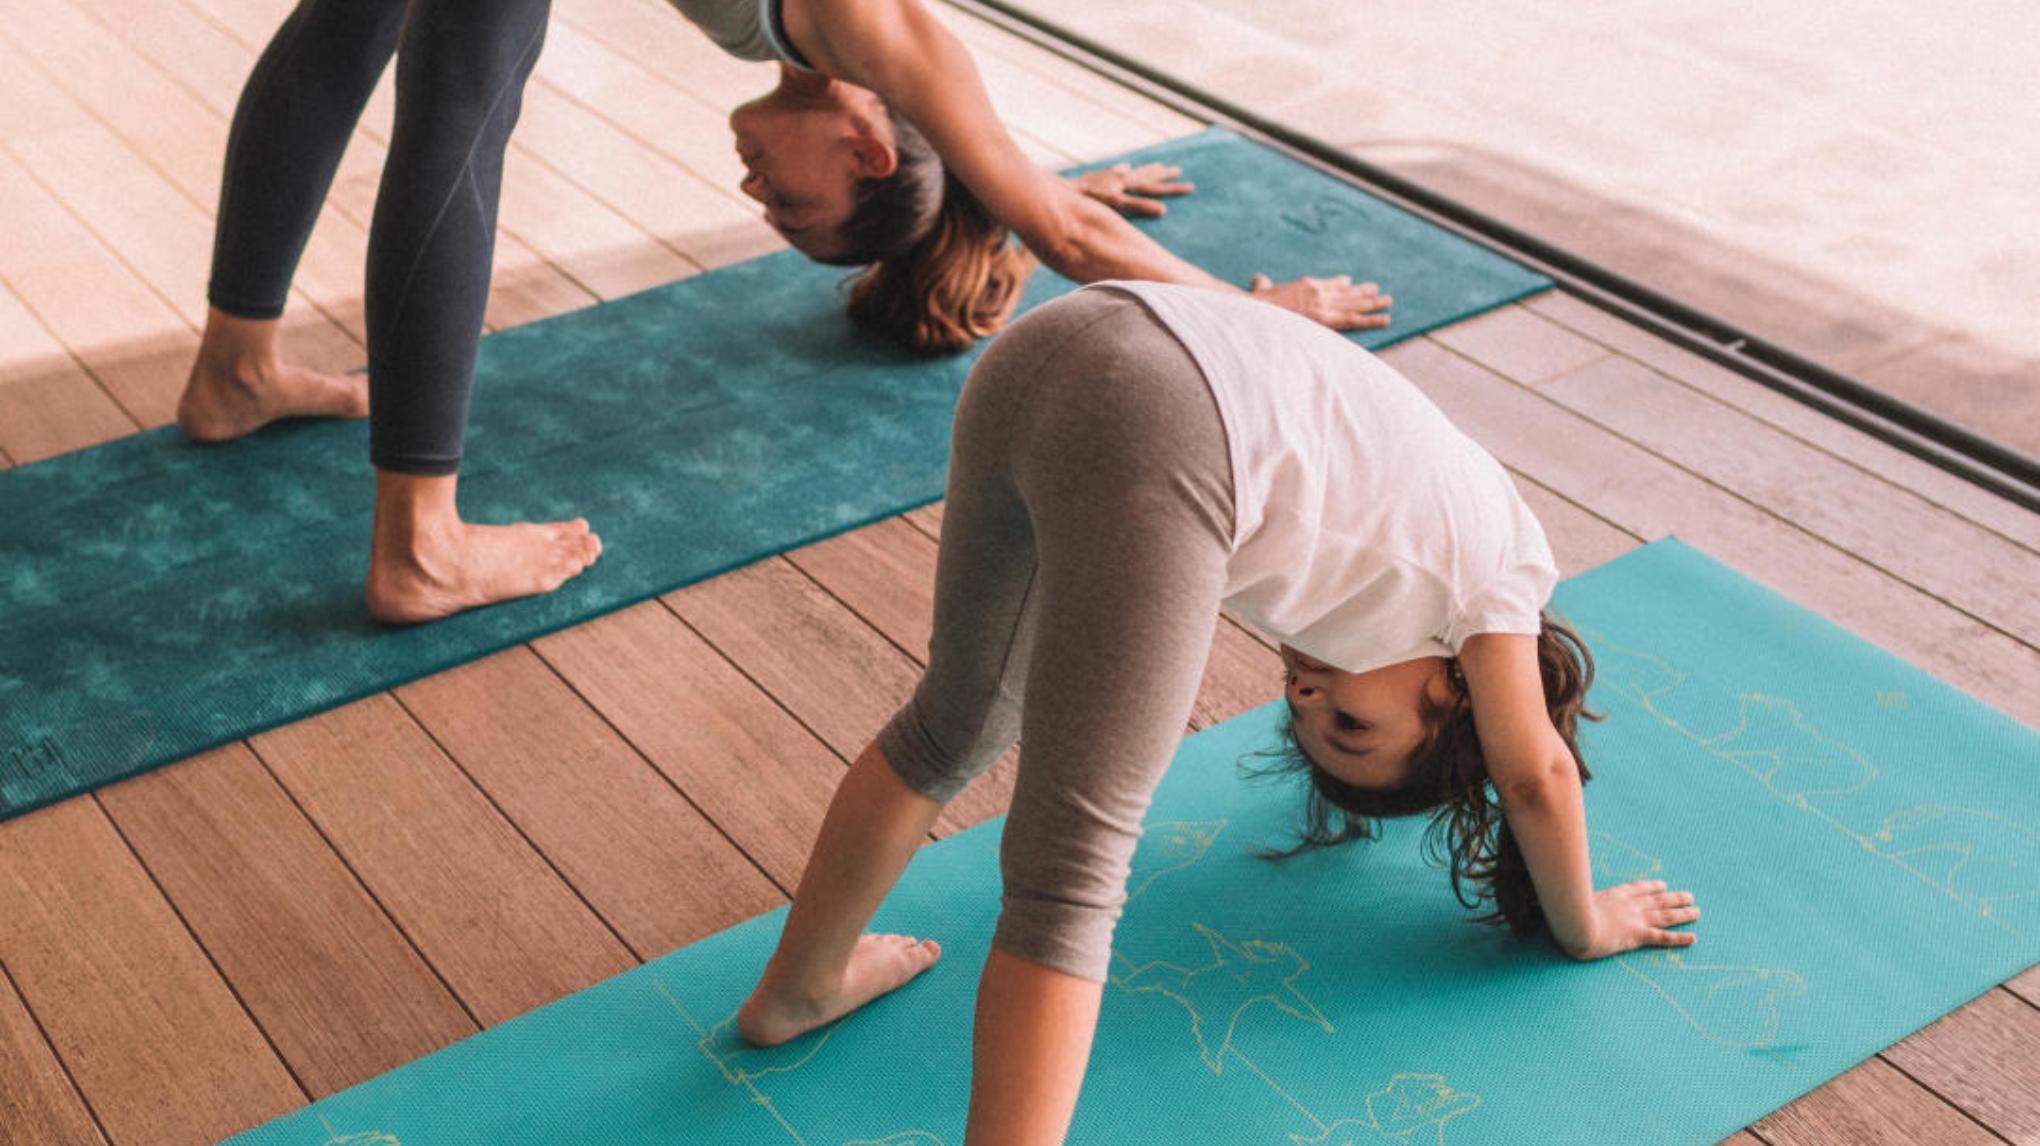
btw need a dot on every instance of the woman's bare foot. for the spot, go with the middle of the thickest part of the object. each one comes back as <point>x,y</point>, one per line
<point>466,566</point>
<point>425,563</point>
<point>879,964</point>
<point>240,383</point>
<point>225,401</point>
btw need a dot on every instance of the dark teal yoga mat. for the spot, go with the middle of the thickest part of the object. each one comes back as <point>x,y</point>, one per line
<point>1864,842</point>
<point>158,599</point>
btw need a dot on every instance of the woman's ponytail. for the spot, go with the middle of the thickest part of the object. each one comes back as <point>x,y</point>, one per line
<point>958,283</point>
<point>940,272</point>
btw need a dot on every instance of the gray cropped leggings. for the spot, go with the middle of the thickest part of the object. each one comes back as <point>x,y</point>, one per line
<point>1083,557</point>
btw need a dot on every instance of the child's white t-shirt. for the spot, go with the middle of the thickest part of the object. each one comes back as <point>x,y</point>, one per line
<point>1367,529</point>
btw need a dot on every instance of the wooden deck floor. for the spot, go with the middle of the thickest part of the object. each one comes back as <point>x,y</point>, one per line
<point>221,941</point>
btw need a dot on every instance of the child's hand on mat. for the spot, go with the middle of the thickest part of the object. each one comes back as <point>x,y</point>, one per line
<point>1133,190</point>
<point>1335,301</point>
<point>1639,914</point>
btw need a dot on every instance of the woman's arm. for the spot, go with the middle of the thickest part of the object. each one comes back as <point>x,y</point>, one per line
<point>1539,785</point>
<point>898,50</point>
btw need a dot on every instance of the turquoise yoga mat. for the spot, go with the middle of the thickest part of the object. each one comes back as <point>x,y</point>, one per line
<point>1864,842</point>
<point>158,599</point>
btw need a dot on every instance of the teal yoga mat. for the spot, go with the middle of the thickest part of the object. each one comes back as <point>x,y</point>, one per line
<point>1861,837</point>
<point>158,599</point>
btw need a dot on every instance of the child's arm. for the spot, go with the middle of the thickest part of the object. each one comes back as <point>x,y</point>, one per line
<point>1539,785</point>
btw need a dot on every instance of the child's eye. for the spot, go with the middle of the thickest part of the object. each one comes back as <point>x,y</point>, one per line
<point>1346,723</point>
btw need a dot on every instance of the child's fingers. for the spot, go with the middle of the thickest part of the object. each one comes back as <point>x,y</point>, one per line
<point>1659,937</point>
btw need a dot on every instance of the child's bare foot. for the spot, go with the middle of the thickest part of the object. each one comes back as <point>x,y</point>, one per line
<point>222,402</point>
<point>878,964</point>
<point>466,566</point>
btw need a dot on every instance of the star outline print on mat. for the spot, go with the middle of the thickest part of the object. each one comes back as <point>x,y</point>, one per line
<point>1714,999</point>
<point>1174,845</point>
<point>1168,847</point>
<point>1976,857</point>
<point>1235,965</point>
<point>359,1138</point>
<point>1406,1121</point>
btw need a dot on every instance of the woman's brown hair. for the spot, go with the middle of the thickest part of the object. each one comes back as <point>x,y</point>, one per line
<point>1448,778</point>
<point>942,271</point>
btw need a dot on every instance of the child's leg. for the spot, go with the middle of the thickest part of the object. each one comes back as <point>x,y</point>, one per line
<point>826,966</point>
<point>962,717</point>
<point>1126,470</point>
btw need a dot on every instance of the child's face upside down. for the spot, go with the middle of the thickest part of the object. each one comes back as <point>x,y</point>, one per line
<point>1363,727</point>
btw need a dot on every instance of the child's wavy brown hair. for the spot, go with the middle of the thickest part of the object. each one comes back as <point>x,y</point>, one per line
<point>1448,778</point>
<point>940,272</point>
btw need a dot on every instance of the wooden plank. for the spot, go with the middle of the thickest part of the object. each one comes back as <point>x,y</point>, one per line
<point>927,519</point>
<point>1984,1058</point>
<point>751,768</point>
<point>1579,540</point>
<point>1803,422</point>
<point>594,246</point>
<point>648,33</point>
<point>1870,1105</point>
<point>616,829</point>
<point>82,293</point>
<point>156,1041</point>
<point>337,988</point>
<point>831,671</point>
<point>1647,496</point>
<point>1945,555</point>
<point>38,1102</point>
<point>646,103</point>
<point>484,908</point>
<point>985,38</point>
<point>2027,986</point>
<point>885,572</point>
<point>1520,345</point>
<point>669,203</point>
<point>48,404</point>
<point>1053,113</point>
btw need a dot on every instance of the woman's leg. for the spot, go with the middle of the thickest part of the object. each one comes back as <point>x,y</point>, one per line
<point>294,118</point>
<point>461,69</point>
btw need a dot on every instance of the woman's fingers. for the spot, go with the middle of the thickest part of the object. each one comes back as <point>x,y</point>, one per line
<point>1661,938</point>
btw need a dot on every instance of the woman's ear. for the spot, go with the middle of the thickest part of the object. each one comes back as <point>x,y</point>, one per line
<point>874,158</point>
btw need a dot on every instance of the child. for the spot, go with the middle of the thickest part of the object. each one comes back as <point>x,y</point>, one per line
<point>1125,460</point>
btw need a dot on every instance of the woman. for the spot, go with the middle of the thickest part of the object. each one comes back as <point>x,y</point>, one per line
<point>1126,460</point>
<point>843,176</point>
<point>880,147</point>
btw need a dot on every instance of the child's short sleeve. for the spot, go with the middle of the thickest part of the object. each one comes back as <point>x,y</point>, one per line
<point>1512,602</point>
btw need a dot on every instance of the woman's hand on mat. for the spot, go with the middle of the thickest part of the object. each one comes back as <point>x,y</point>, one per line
<point>1640,914</point>
<point>1336,302</point>
<point>1134,190</point>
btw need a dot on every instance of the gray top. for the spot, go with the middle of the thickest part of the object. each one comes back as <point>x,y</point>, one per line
<point>746,29</point>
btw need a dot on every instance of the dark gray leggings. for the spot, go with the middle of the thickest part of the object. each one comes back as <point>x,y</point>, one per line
<point>461,69</point>
<point>1083,556</point>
